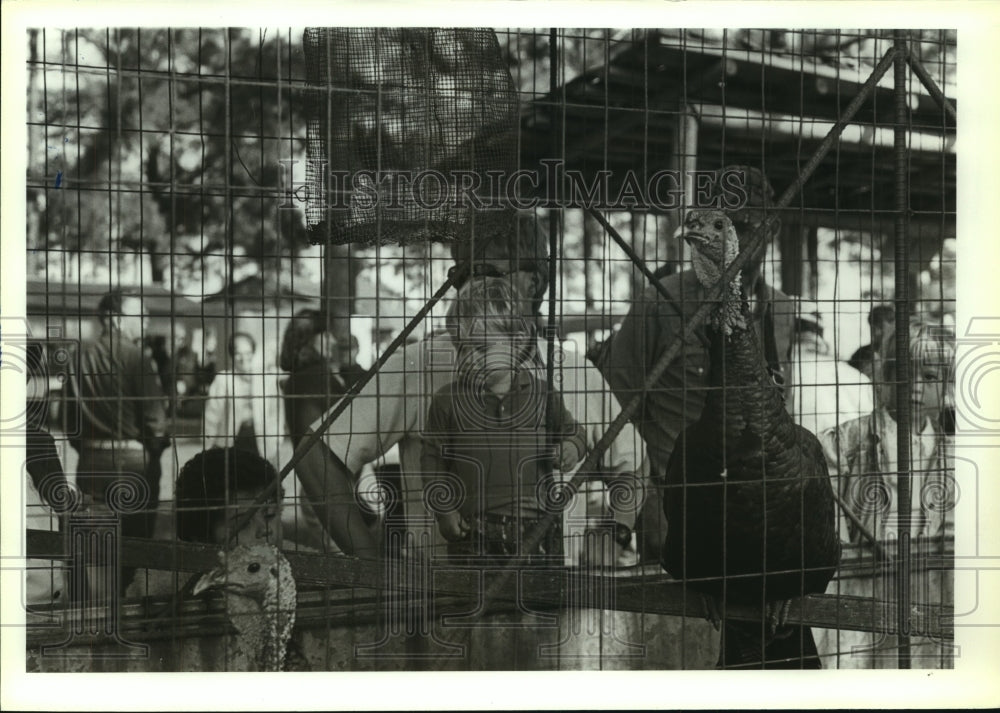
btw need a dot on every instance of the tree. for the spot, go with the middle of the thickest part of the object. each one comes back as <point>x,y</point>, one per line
<point>177,136</point>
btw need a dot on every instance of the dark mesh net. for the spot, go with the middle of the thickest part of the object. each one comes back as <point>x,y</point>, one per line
<point>407,125</point>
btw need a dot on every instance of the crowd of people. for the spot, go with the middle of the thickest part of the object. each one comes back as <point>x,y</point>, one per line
<point>118,405</point>
<point>484,438</point>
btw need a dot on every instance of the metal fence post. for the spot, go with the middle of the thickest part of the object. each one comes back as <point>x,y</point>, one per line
<point>902,372</point>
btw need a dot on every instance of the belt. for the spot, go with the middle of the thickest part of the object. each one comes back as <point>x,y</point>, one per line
<point>112,445</point>
<point>505,534</point>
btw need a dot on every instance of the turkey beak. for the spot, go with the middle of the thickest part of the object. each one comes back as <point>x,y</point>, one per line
<point>206,582</point>
<point>209,580</point>
<point>215,578</point>
<point>689,236</point>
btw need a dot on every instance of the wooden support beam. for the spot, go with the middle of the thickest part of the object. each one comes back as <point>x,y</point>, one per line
<point>642,590</point>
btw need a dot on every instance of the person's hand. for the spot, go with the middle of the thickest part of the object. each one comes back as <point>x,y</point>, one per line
<point>453,526</point>
<point>82,506</point>
<point>601,549</point>
<point>85,502</point>
<point>569,456</point>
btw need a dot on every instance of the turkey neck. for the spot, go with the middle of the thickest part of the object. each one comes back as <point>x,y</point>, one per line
<point>743,394</point>
<point>261,629</point>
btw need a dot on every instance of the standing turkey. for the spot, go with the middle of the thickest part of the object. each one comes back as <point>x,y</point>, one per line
<point>749,503</point>
<point>260,598</point>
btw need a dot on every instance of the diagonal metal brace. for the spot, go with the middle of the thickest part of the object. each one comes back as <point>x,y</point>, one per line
<point>930,85</point>
<point>628,250</point>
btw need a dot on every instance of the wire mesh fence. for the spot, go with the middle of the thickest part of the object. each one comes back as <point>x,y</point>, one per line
<point>490,349</point>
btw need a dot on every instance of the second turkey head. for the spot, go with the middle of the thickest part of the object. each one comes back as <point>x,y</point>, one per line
<point>252,571</point>
<point>260,596</point>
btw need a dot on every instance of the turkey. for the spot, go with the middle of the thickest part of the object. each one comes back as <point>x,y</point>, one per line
<point>749,503</point>
<point>260,598</point>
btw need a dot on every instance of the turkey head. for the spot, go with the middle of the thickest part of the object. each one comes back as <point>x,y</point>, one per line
<point>714,246</point>
<point>260,597</point>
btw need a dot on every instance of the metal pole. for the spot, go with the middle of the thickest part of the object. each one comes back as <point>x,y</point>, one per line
<point>553,194</point>
<point>691,125</point>
<point>902,373</point>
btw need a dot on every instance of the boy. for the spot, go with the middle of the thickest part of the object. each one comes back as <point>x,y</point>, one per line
<point>213,490</point>
<point>487,457</point>
<point>862,458</point>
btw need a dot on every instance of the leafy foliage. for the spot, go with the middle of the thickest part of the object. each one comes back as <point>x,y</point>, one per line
<point>182,130</point>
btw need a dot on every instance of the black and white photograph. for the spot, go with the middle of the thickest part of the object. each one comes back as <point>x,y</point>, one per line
<point>458,347</point>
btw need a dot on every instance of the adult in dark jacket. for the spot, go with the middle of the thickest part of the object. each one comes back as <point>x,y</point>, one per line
<point>310,355</point>
<point>180,375</point>
<point>116,418</point>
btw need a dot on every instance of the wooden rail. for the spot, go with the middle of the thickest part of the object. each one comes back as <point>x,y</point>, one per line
<point>361,589</point>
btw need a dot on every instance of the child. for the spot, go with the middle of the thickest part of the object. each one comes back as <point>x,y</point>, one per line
<point>862,458</point>
<point>213,491</point>
<point>490,442</point>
